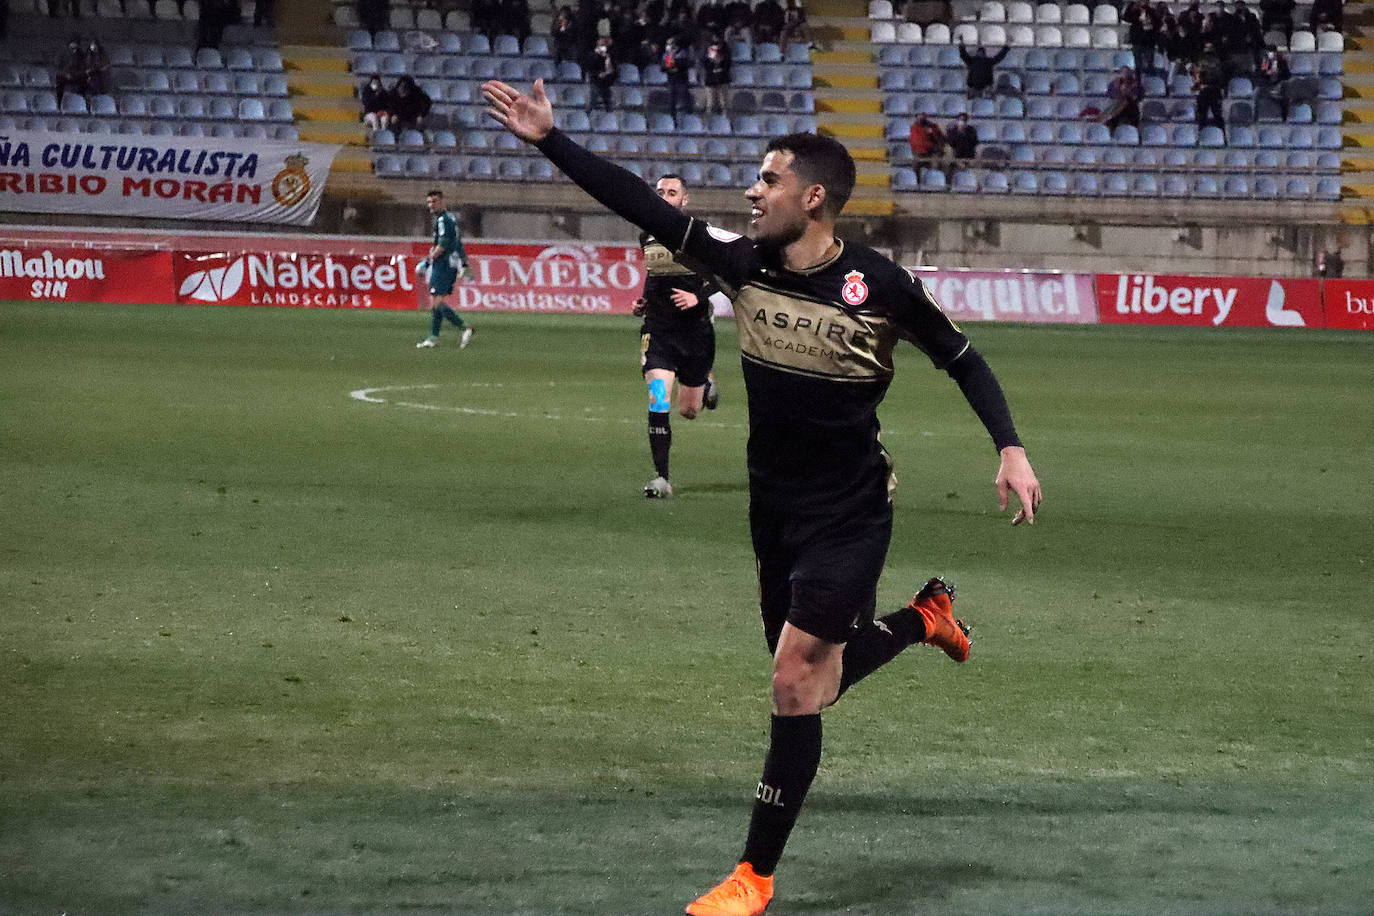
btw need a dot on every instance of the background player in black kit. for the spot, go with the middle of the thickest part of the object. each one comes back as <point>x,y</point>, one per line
<point>677,340</point>
<point>818,321</point>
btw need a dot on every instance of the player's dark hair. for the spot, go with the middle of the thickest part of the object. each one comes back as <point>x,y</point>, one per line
<point>435,193</point>
<point>823,161</point>
<point>672,175</point>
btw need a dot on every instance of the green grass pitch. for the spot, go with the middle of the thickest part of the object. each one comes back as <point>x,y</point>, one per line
<point>269,648</point>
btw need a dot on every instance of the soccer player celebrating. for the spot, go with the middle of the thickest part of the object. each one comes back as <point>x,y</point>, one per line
<point>677,341</point>
<point>446,257</point>
<point>818,322</point>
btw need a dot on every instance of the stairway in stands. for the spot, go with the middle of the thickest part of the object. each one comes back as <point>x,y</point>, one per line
<point>322,86</point>
<point>1358,159</point>
<point>848,103</point>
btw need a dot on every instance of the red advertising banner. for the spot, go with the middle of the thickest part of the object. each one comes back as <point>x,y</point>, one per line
<point>1349,304</point>
<point>562,278</point>
<point>1038,297</point>
<point>525,278</point>
<point>61,274</point>
<point>1255,302</point>
<point>297,279</point>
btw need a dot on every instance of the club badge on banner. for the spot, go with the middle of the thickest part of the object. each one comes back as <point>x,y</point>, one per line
<point>84,274</point>
<point>1036,297</point>
<point>219,178</point>
<point>1254,302</point>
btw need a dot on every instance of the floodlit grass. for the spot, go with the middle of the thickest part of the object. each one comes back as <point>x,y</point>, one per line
<point>268,648</point>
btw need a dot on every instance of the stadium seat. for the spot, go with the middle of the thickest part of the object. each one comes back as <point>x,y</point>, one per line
<point>1144,186</point>
<point>1025,183</point>
<point>932,180</point>
<point>1266,187</point>
<point>995,182</point>
<point>880,9</point>
<point>251,110</point>
<point>1054,184</point>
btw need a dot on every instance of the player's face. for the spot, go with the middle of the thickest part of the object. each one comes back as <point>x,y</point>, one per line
<point>435,204</point>
<point>779,201</point>
<point>671,190</point>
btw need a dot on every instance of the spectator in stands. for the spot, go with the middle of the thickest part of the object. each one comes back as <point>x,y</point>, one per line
<point>215,17</point>
<point>962,138</point>
<point>374,15</point>
<point>794,25</point>
<point>409,105</point>
<point>1272,81</point>
<point>97,68</point>
<point>927,142</point>
<point>1327,16</point>
<point>768,21</point>
<point>1182,45</point>
<point>980,68</point>
<point>927,12</point>
<point>715,73</point>
<point>484,16</point>
<point>1210,78</point>
<point>265,13</point>
<point>71,69</point>
<point>677,66</point>
<point>1143,34</point>
<point>514,19</point>
<point>1249,34</point>
<point>376,101</point>
<point>1277,15</point>
<point>563,37</point>
<point>601,74</point>
<point>712,17</point>
<point>741,19</point>
<point>55,8</point>
<point>1192,17</point>
<point>1330,265</point>
<point>1123,99</point>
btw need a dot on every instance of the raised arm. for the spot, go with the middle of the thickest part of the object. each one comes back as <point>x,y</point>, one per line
<point>530,117</point>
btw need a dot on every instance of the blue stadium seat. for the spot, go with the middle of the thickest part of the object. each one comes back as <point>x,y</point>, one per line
<point>1144,186</point>
<point>1235,186</point>
<point>1329,138</point>
<point>1115,184</point>
<point>1206,186</point>
<point>1025,183</point>
<point>1266,187</point>
<point>251,110</point>
<point>481,168</point>
<point>1086,184</point>
<point>995,182</point>
<point>1175,186</point>
<point>905,180</point>
<point>1211,135</point>
<point>1328,189</point>
<point>933,180</point>
<point>389,166</point>
<point>1054,183</point>
<point>1299,187</point>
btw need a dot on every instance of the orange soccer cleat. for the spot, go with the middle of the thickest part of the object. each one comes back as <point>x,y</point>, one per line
<point>742,894</point>
<point>935,603</point>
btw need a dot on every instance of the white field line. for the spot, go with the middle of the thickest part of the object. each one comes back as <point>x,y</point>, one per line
<point>378,396</point>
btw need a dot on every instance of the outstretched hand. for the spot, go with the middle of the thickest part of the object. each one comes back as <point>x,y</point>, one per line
<point>529,117</point>
<point>1016,476</point>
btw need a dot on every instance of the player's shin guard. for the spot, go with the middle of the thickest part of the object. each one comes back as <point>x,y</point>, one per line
<point>794,755</point>
<point>660,441</point>
<point>877,644</point>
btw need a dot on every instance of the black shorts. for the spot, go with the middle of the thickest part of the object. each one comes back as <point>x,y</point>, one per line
<point>691,354</point>
<point>820,573</point>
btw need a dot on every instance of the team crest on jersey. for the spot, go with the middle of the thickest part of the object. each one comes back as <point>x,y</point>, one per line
<point>855,290</point>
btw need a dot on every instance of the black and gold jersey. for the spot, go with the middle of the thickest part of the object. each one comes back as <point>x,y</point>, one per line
<point>663,274</point>
<point>816,347</point>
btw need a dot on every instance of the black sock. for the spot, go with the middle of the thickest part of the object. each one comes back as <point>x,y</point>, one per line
<point>794,755</point>
<point>879,643</point>
<point>660,440</point>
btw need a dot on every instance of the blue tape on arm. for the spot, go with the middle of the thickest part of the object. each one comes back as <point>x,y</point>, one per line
<point>658,395</point>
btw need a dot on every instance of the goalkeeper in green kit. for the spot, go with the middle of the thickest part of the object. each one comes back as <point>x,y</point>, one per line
<point>446,258</point>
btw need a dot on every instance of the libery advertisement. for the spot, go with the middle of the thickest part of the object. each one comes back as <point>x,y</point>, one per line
<point>1039,297</point>
<point>59,274</point>
<point>220,178</point>
<point>1254,302</point>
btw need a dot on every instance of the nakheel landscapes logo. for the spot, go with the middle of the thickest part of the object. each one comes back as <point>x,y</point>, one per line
<point>309,280</point>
